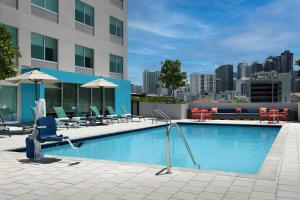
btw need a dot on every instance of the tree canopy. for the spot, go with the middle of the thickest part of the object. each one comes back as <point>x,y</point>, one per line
<point>8,54</point>
<point>171,76</point>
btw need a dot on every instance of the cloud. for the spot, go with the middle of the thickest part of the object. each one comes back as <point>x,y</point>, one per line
<point>272,27</point>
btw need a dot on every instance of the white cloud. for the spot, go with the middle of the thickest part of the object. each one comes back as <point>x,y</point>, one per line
<point>270,28</point>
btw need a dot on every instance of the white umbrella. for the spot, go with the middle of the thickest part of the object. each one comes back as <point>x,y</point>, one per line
<point>100,83</point>
<point>35,77</point>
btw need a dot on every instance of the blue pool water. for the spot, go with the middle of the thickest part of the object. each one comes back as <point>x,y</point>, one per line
<point>239,149</point>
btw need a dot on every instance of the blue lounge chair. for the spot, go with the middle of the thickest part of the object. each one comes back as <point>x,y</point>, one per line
<point>98,116</point>
<point>63,118</point>
<point>8,118</point>
<point>126,113</point>
<point>113,114</point>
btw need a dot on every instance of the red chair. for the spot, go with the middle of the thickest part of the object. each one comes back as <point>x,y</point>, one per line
<point>274,114</point>
<point>284,114</point>
<point>262,113</point>
<point>205,114</point>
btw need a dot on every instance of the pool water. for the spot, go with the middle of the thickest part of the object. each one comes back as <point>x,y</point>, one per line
<point>239,149</point>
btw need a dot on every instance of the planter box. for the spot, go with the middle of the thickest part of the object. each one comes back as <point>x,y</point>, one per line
<point>174,111</point>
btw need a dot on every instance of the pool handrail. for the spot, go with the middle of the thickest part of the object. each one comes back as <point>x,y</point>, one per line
<point>161,114</point>
<point>168,159</point>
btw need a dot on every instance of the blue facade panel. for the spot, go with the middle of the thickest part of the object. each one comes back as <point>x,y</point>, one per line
<point>122,92</point>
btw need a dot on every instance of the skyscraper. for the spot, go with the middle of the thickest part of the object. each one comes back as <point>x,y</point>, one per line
<point>271,64</point>
<point>202,83</point>
<point>150,82</point>
<point>286,62</point>
<point>243,70</point>
<point>256,67</point>
<point>224,78</point>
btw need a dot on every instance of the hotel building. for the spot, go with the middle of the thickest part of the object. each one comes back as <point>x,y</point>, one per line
<point>76,41</point>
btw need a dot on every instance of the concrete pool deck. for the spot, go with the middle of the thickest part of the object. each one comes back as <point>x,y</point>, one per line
<point>77,178</point>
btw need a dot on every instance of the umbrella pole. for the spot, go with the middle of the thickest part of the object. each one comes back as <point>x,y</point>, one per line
<point>36,93</point>
<point>103,101</point>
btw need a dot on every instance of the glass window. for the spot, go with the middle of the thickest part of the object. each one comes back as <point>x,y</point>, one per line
<point>9,100</point>
<point>69,96</point>
<point>40,3</point>
<point>84,13</point>
<point>51,5</point>
<point>43,48</point>
<point>89,58</point>
<point>110,97</point>
<point>14,33</point>
<point>116,27</point>
<point>84,57</point>
<point>97,99</point>
<point>79,56</point>
<point>84,99</point>
<point>79,11</point>
<point>47,4</point>
<point>116,64</point>
<point>89,15</point>
<point>50,49</point>
<point>37,46</point>
<point>52,96</point>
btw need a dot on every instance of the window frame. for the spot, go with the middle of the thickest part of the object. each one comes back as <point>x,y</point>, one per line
<point>46,9</point>
<point>84,49</point>
<point>116,57</point>
<point>44,48</point>
<point>84,21</point>
<point>116,20</point>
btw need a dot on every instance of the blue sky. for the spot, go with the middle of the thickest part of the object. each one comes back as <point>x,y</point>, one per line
<point>204,34</point>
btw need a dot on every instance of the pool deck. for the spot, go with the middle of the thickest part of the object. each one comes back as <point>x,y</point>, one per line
<point>77,178</point>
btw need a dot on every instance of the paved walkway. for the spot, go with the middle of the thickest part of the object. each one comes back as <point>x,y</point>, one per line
<point>76,178</point>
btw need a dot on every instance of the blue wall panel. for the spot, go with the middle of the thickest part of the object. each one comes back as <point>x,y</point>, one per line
<point>122,92</point>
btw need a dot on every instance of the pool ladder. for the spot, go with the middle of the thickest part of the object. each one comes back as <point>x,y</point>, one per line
<point>168,159</point>
<point>168,120</point>
<point>160,113</point>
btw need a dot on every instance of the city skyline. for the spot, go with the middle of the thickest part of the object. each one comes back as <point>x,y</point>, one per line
<point>205,40</point>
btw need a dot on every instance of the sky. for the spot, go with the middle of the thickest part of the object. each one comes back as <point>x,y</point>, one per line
<point>204,34</point>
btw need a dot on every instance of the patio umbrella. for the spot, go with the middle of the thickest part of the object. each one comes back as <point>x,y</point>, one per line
<point>100,83</point>
<point>35,77</point>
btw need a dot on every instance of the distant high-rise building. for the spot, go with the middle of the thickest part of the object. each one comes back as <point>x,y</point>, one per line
<point>243,70</point>
<point>224,78</point>
<point>270,87</point>
<point>256,67</point>
<point>242,87</point>
<point>150,82</point>
<point>136,89</point>
<point>286,62</point>
<point>202,83</point>
<point>271,64</point>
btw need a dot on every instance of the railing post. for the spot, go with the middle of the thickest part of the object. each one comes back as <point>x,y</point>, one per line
<point>168,151</point>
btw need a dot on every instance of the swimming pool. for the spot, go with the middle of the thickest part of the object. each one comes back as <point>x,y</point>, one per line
<point>227,148</point>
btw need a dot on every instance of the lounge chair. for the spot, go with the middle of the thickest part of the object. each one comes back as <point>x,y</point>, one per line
<point>8,118</point>
<point>113,114</point>
<point>126,113</point>
<point>78,113</point>
<point>98,116</point>
<point>63,118</point>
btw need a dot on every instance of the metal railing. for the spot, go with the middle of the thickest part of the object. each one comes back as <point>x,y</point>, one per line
<point>161,114</point>
<point>168,159</point>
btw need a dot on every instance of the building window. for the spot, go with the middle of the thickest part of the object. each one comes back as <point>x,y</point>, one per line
<point>53,96</point>
<point>116,64</point>
<point>14,34</point>
<point>46,4</point>
<point>9,98</point>
<point>84,57</point>
<point>43,48</point>
<point>116,27</point>
<point>84,13</point>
